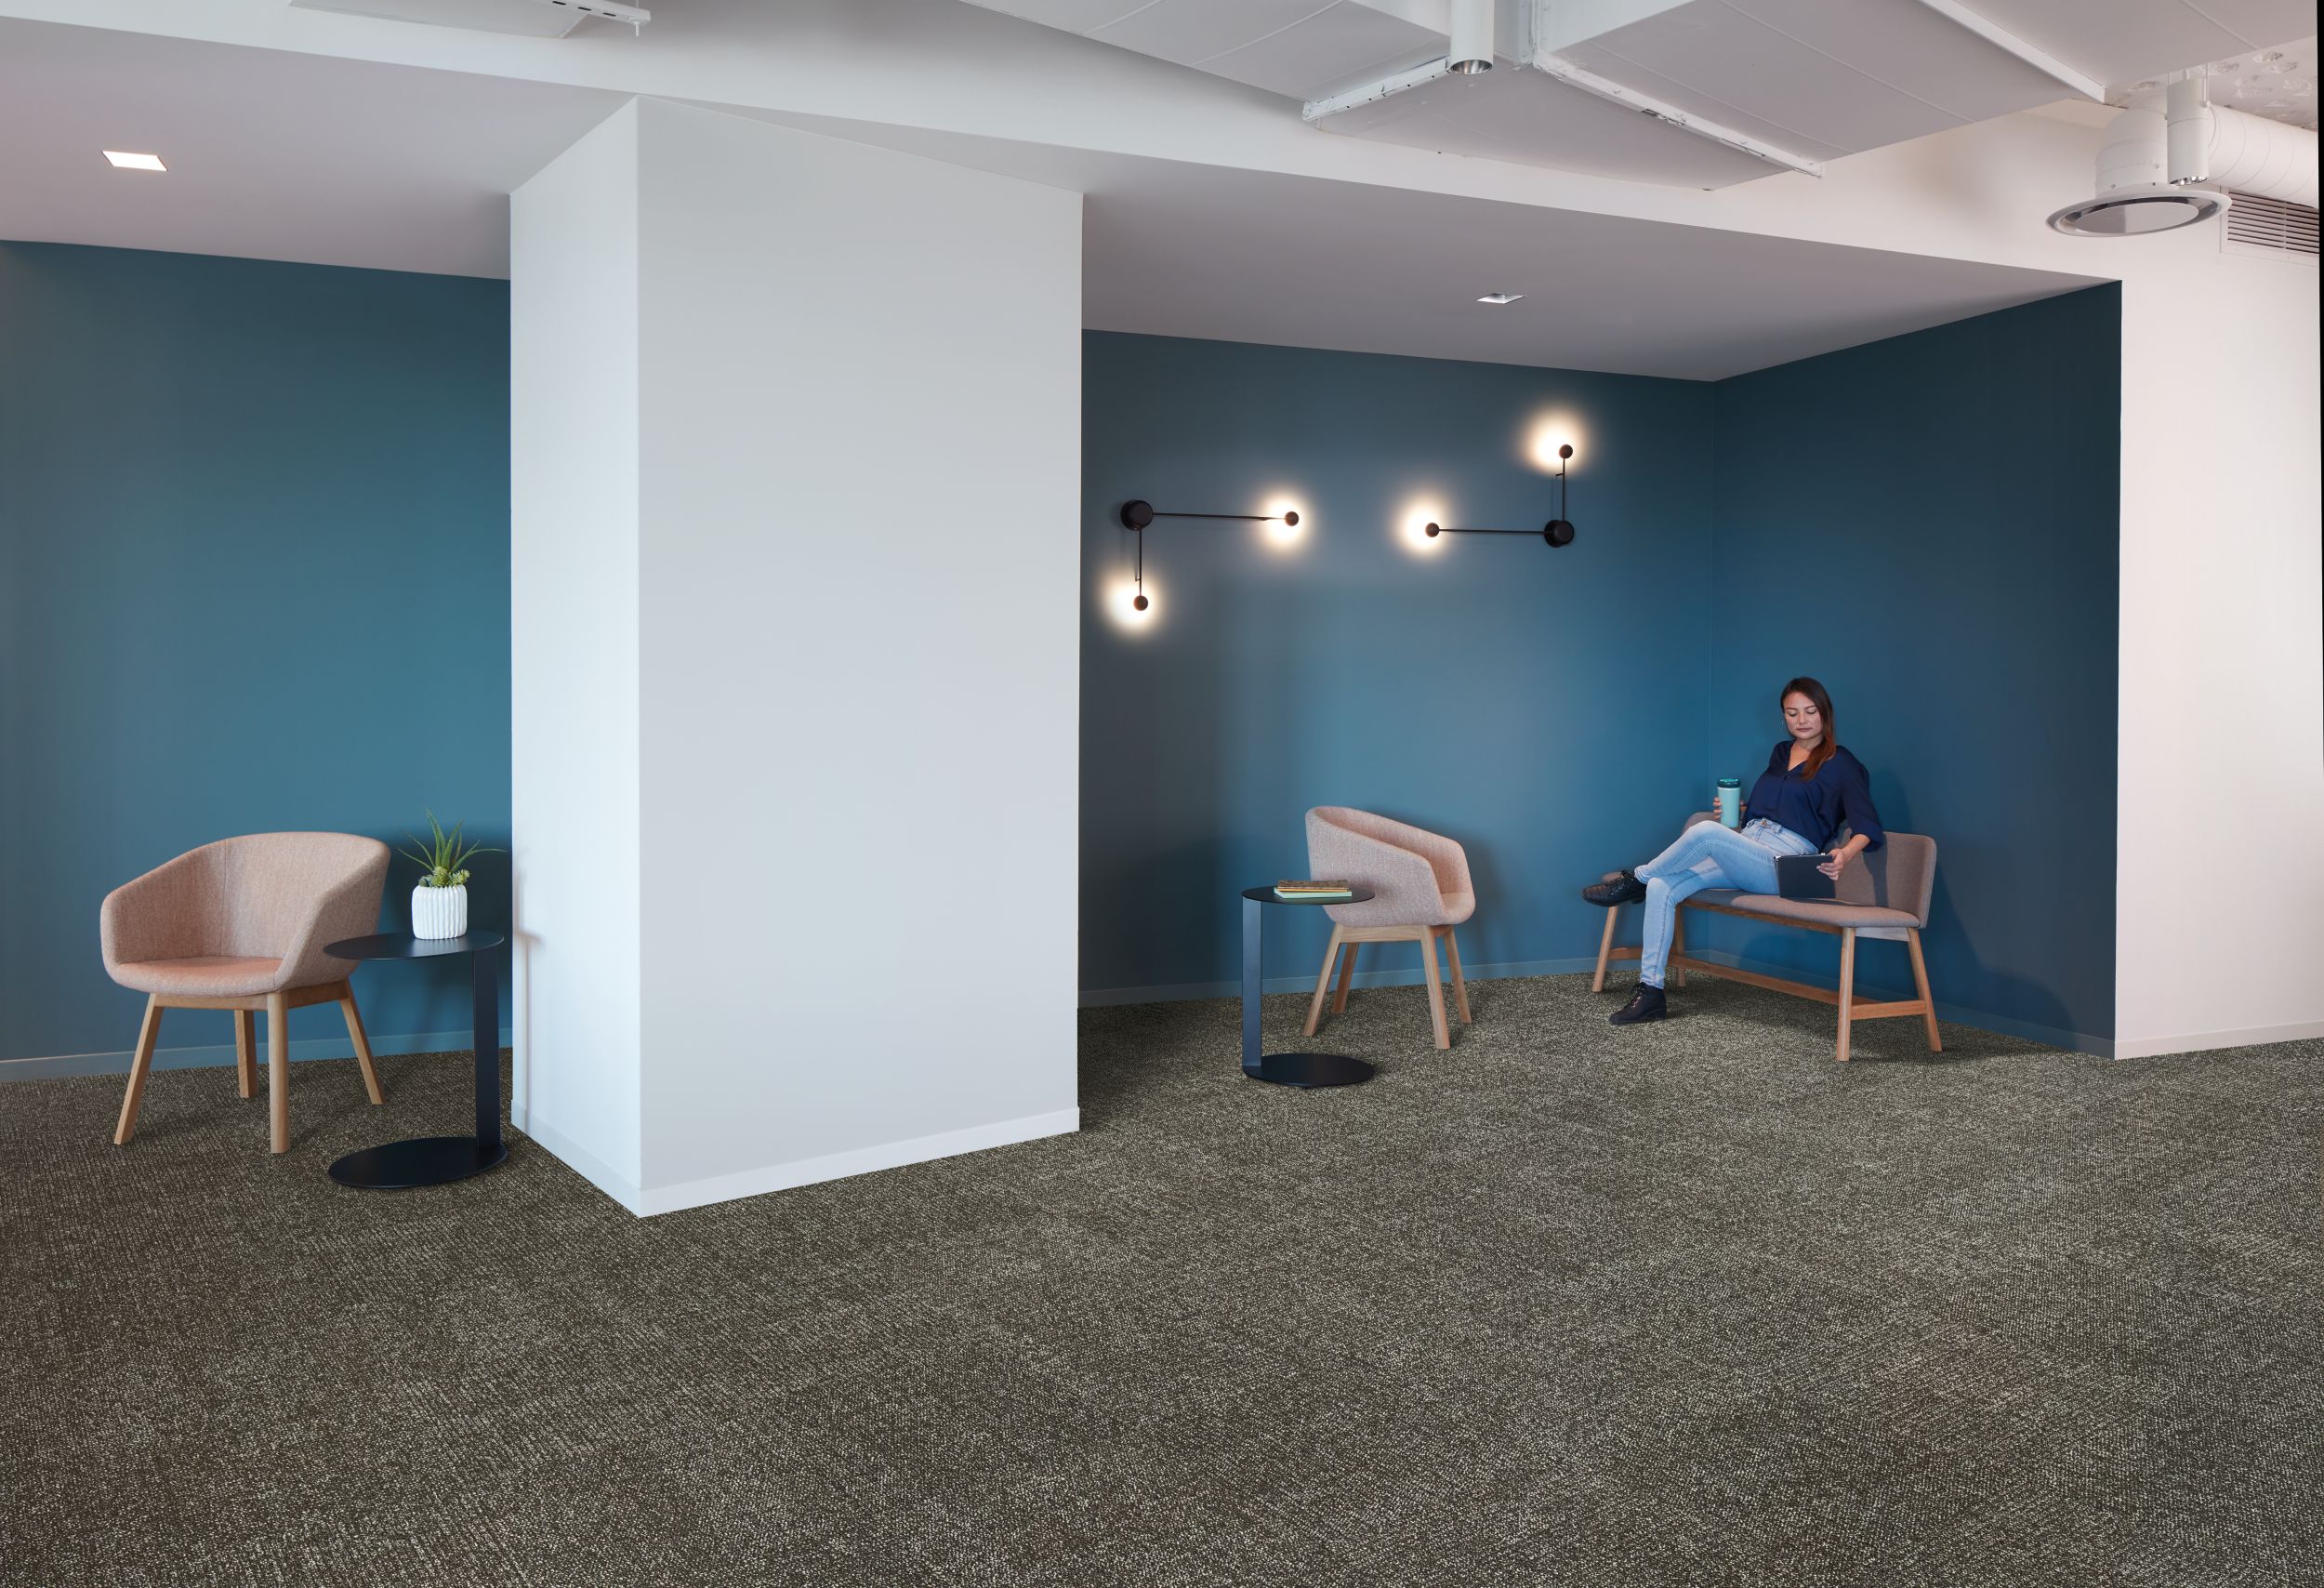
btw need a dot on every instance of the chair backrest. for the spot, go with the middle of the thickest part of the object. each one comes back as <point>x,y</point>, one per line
<point>266,891</point>
<point>1446,860</point>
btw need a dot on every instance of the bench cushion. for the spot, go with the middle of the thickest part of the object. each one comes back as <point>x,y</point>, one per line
<point>1870,920</point>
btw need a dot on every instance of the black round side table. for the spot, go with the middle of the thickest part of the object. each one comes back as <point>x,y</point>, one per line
<point>434,1160</point>
<point>1302,1070</point>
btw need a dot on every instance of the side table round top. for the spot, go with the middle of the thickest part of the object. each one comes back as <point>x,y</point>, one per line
<point>1269,896</point>
<point>403,946</point>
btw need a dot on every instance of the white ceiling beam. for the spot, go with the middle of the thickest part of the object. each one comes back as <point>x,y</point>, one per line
<point>2000,38</point>
<point>1606,88</point>
<point>1372,93</point>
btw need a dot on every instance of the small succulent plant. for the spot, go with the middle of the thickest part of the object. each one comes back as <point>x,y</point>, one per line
<point>443,856</point>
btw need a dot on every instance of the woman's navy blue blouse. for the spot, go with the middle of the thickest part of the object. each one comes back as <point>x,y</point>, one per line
<point>1817,807</point>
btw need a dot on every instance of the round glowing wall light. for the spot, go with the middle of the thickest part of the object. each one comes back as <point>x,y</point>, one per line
<point>1420,522</point>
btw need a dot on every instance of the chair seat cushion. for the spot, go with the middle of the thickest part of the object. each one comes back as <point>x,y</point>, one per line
<point>1824,912</point>
<point>204,975</point>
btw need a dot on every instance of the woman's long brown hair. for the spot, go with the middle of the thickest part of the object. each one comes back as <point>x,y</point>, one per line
<point>1830,741</point>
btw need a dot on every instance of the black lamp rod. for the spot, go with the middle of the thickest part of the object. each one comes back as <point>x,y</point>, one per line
<point>1253,518</point>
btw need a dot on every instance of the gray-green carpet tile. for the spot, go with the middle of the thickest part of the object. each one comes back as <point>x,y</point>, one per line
<point>1686,1303</point>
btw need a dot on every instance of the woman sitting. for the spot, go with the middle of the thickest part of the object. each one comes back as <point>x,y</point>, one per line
<point>1812,787</point>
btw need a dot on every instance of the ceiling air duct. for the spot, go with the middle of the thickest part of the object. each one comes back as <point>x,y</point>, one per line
<point>2167,159</point>
<point>1470,48</point>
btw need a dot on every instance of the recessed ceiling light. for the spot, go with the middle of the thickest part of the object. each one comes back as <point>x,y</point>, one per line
<point>1501,297</point>
<point>135,162</point>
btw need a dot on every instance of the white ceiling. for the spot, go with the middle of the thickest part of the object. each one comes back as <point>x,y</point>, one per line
<point>270,154</point>
<point>1176,249</point>
<point>2121,40</point>
<point>1810,80</point>
<point>292,156</point>
<point>2278,82</point>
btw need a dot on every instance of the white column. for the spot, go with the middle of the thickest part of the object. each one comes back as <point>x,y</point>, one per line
<point>854,413</point>
<point>573,329</point>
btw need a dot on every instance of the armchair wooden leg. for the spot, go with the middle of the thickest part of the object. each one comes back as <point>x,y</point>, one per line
<point>1347,973</point>
<point>1323,983</point>
<point>1677,976</point>
<point>1461,987</point>
<point>140,1065</point>
<point>278,1072</point>
<point>362,1044</point>
<point>1920,980</point>
<point>245,1053</point>
<point>1847,985</point>
<point>1435,989</point>
<point>1606,949</point>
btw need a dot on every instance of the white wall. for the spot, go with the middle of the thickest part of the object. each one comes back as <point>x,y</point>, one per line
<point>2220,905</point>
<point>814,559</point>
<point>573,581</point>
<point>862,496</point>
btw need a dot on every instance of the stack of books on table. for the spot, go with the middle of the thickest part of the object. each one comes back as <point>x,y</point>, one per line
<point>1311,891</point>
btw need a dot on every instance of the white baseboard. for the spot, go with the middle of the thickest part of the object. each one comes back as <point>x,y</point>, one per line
<point>837,1166</point>
<point>587,1165</point>
<point>2203,1042</point>
<point>117,1063</point>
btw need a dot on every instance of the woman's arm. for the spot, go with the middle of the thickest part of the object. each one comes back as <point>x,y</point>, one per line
<point>1844,854</point>
<point>1857,811</point>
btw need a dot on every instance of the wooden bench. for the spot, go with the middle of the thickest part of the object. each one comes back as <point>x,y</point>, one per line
<point>1883,893</point>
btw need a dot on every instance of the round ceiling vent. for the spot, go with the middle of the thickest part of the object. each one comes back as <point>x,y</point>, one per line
<point>2133,212</point>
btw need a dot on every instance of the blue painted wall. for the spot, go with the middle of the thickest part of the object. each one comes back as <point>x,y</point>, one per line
<point>254,574</point>
<point>1921,522</point>
<point>1544,707</point>
<point>1929,525</point>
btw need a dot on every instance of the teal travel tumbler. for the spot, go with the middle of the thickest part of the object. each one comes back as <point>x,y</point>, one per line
<point>1729,798</point>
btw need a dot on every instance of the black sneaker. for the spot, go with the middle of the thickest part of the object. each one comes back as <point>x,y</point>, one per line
<point>1646,1003</point>
<point>1625,888</point>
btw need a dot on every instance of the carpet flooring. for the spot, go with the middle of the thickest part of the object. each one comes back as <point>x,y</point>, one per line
<point>1689,1303</point>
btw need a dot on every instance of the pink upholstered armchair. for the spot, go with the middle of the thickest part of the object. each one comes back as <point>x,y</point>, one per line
<point>1421,880</point>
<point>241,924</point>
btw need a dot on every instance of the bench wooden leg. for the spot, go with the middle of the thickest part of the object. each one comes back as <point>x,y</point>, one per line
<point>1847,985</point>
<point>1461,987</point>
<point>1676,973</point>
<point>1347,973</point>
<point>1606,948</point>
<point>1323,982</point>
<point>1920,980</point>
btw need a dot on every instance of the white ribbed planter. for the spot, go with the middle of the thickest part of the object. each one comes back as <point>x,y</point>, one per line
<point>438,912</point>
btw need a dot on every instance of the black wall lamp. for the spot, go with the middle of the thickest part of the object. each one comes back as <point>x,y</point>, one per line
<point>1137,515</point>
<point>1557,532</point>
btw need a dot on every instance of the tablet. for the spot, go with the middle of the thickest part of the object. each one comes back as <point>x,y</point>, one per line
<point>1797,877</point>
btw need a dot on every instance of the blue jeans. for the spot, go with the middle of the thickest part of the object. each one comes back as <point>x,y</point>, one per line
<point>1708,855</point>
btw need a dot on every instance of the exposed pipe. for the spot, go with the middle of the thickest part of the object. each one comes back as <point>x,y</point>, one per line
<point>2243,153</point>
